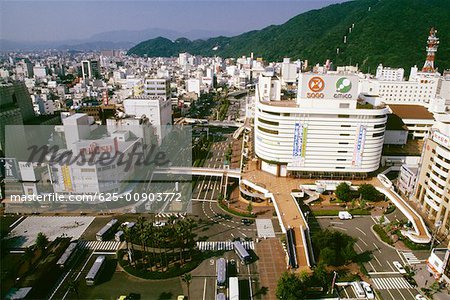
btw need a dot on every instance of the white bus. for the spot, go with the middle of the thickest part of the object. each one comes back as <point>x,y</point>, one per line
<point>221,269</point>
<point>68,255</point>
<point>241,252</point>
<point>359,291</point>
<point>95,270</point>
<point>233,288</point>
<point>106,230</point>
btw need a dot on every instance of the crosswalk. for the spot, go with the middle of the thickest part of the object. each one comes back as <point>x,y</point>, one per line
<point>227,245</point>
<point>99,245</point>
<point>411,258</point>
<point>167,215</point>
<point>389,283</point>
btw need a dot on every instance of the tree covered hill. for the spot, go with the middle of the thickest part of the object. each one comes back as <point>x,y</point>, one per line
<point>392,32</point>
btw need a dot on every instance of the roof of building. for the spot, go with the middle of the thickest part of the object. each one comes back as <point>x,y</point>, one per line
<point>410,111</point>
<point>394,122</point>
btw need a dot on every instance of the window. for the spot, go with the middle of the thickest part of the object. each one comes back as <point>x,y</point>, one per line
<point>344,105</point>
<point>378,134</point>
<point>267,130</point>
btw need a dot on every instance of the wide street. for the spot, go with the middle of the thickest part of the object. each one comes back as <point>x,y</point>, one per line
<point>384,276</point>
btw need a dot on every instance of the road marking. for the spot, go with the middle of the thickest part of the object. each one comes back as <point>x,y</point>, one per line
<point>204,290</point>
<point>373,268</point>
<point>339,223</point>
<point>361,231</point>
<point>391,294</point>
<point>376,258</point>
<point>376,247</point>
<point>411,294</point>
<point>382,273</point>
<point>360,249</point>
<point>363,241</point>
<point>401,257</point>
<point>391,267</point>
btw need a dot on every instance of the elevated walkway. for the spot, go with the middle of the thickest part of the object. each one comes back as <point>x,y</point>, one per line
<point>420,233</point>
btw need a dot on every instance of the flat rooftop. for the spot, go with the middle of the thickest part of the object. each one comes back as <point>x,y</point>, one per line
<point>411,111</point>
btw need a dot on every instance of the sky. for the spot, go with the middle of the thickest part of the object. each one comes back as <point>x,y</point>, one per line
<point>58,20</point>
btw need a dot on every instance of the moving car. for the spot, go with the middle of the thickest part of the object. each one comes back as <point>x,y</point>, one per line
<point>246,221</point>
<point>420,297</point>
<point>399,267</point>
<point>345,215</point>
<point>368,290</point>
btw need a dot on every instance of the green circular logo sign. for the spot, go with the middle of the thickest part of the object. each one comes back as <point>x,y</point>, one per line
<point>343,85</point>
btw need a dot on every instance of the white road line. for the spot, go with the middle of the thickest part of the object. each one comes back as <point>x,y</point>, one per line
<point>361,231</point>
<point>340,228</point>
<point>339,223</point>
<point>363,242</point>
<point>373,268</point>
<point>376,247</point>
<point>411,294</point>
<point>391,294</point>
<point>360,249</point>
<point>204,290</point>
<point>376,258</point>
<point>391,267</point>
<point>401,257</point>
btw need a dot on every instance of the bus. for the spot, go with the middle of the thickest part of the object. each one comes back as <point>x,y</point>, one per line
<point>359,291</point>
<point>221,269</point>
<point>241,252</point>
<point>95,270</point>
<point>68,255</point>
<point>233,288</point>
<point>106,230</point>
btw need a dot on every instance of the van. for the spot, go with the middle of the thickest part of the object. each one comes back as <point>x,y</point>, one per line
<point>345,215</point>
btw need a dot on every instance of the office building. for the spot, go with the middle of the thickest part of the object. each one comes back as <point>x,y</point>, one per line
<point>432,190</point>
<point>325,132</point>
<point>157,87</point>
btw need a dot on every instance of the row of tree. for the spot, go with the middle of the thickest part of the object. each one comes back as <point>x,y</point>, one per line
<point>160,245</point>
<point>365,192</point>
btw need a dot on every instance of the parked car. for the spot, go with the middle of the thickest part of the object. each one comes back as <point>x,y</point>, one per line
<point>345,215</point>
<point>246,221</point>
<point>420,297</point>
<point>399,267</point>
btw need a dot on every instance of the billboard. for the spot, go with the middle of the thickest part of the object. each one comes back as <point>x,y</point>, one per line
<point>359,146</point>
<point>299,147</point>
<point>441,139</point>
<point>328,86</point>
<point>9,169</point>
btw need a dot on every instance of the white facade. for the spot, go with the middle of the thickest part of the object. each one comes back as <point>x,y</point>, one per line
<point>389,74</point>
<point>158,110</point>
<point>407,179</point>
<point>193,86</point>
<point>289,72</point>
<point>322,132</point>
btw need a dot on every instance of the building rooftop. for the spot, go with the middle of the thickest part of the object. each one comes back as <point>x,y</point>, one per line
<point>394,122</point>
<point>407,111</point>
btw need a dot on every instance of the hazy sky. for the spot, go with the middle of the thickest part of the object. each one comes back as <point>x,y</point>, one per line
<point>62,20</point>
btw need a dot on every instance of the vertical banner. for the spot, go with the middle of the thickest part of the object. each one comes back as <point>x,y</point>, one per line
<point>359,146</point>
<point>66,178</point>
<point>299,148</point>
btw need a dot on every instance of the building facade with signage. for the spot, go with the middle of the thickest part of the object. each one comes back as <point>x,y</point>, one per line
<point>432,191</point>
<point>325,132</point>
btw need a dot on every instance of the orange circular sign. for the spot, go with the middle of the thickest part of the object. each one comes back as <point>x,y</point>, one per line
<point>316,84</point>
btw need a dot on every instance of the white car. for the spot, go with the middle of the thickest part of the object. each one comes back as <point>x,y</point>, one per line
<point>420,297</point>
<point>399,267</point>
<point>345,215</point>
<point>368,290</point>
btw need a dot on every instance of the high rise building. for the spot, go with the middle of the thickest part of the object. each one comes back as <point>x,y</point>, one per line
<point>90,69</point>
<point>432,190</point>
<point>157,87</point>
<point>325,132</point>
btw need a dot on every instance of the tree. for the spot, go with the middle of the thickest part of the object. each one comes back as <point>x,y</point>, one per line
<point>187,278</point>
<point>73,287</point>
<point>28,256</point>
<point>368,192</point>
<point>41,241</point>
<point>343,192</point>
<point>290,287</point>
<point>250,207</point>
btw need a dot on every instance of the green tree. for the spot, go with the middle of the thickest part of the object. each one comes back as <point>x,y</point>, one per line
<point>291,287</point>
<point>250,207</point>
<point>343,192</point>
<point>41,241</point>
<point>369,192</point>
<point>187,278</point>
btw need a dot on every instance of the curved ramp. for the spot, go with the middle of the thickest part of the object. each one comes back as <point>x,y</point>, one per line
<point>420,233</point>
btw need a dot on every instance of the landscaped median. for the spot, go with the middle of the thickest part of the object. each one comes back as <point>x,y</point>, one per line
<point>335,212</point>
<point>234,212</point>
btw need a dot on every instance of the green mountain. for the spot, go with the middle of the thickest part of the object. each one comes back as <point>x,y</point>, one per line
<point>392,32</point>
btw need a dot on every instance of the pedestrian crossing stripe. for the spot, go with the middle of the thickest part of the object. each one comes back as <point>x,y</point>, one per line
<point>99,245</point>
<point>227,245</point>
<point>411,258</point>
<point>389,283</point>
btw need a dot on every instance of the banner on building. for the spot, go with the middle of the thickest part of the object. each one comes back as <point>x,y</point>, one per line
<point>359,146</point>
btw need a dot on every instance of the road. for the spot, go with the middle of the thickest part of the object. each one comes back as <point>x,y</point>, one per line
<point>384,276</point>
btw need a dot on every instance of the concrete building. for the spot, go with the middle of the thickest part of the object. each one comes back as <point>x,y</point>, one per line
<point>438,264</point>
<point>324,133</point>
<point>156,108</point>
<point>193,86</point>
<point>407,179</point>
<point>389,74</point>
<point>417,119</point>
<point>432,191</point>
<point>157,87</point>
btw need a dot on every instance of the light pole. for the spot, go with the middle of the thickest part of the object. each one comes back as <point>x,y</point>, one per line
<point>437,225</point>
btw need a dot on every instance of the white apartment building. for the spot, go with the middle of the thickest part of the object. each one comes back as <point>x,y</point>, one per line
<point>156,108</point>
<point>157,87</point>
<point>421,88</point>
<point>193,86</point>
<point>407,179</point>
<point>323,133</point>
<point>389,74</point>
<point>432,190</point>
<point>289,72</point>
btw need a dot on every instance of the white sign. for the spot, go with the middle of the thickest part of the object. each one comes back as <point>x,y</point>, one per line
<point>441,139</point>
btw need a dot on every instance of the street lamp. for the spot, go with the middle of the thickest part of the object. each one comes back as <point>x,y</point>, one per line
<point>437,225</point>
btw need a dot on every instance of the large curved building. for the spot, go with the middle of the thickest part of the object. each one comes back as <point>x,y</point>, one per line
<point>325,132</point>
